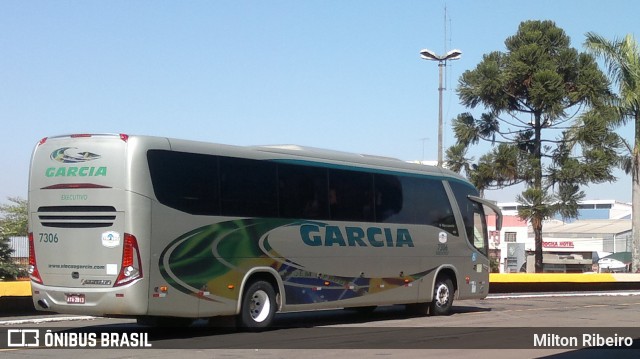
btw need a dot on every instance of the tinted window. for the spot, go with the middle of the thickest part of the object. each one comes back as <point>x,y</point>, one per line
<point>413,200</point>
<point>439,210</point>
<point>248,188</point>
<point>303,192</point>
<point>351,196</point>
<point>480,237</point>
<point>185,181</point>
<point>391,201</point>
<point>216,185</point>
<point>467,207</point>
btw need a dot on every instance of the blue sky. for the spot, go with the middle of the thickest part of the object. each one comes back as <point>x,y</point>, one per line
<point>343,75</point>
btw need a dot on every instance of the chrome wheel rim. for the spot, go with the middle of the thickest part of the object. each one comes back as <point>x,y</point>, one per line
<point>442,295</point>
<point>260,306</point>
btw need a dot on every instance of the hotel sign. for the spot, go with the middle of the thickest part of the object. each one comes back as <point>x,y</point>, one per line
<point>557,244</point>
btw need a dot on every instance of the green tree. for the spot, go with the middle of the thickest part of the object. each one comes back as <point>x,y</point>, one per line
<point>13,223</point>
<point>622,59</point>
<point>546,115</point>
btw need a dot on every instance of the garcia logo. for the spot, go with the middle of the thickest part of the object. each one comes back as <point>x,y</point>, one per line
<point>64,155</point>
<point>315,235</point>
<point>75,171</point>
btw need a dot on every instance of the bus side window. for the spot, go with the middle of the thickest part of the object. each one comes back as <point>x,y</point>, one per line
<point>389,198</point>
<point>479,228</point>
<point>303,192</point>
<point>185,181</point>
<point>413,200</point>
<point>351,195</point>
<point>440,211</point>
<point>473,215</point>
<point>248,187</point>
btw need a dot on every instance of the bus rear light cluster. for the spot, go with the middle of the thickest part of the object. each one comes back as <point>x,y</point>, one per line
<point>131,266</point>
<point>34,274</point>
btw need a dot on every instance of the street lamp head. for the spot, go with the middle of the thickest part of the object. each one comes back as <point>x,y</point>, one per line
<point>450,55</point>
<point>429,55</point>
<point>453,55</point>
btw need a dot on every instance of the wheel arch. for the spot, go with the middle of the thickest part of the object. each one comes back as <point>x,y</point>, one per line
<point>267,274</point>
<point>445,271</point>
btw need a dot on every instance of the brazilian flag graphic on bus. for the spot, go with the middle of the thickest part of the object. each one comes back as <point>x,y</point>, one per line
<point>208,258</point>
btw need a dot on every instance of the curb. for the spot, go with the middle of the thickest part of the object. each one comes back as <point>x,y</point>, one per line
<point>21,288</point>
<point>562,282</point>
<point>564,277</point>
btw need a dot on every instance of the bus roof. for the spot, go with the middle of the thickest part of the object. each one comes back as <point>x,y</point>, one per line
<point>284,152</point>
<point>313,154</point>
<point>354,158</point>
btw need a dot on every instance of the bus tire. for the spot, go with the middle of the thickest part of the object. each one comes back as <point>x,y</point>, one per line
<point>442,297</point>
<point>258,306</point>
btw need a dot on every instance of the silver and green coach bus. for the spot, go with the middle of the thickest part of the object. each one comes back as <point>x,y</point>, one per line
<point>157,228</point>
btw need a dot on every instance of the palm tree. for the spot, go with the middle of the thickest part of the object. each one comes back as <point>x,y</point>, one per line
<point>622,59</point>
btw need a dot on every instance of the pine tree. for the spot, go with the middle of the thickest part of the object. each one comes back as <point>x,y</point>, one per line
<point>546,115</point>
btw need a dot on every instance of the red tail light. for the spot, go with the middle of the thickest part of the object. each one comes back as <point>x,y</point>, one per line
<point>131,266</point>
<point>33,267</point>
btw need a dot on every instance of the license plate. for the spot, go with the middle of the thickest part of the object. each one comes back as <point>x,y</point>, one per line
<point>75,298</point>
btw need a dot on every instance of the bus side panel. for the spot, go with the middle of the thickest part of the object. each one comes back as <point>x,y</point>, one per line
<point>468,273</point>
<point>467,276</point>
<point>186,280</point>
<point>477,285</point>
<point>369,265</point>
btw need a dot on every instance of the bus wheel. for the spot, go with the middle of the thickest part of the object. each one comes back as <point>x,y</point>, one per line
<point>442,297</point>
<point>258,306</point>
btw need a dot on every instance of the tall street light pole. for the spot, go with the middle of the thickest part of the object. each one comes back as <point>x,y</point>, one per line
<point>442,60</point>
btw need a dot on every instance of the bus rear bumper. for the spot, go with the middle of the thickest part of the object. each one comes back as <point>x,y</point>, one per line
<point>130,300</point>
